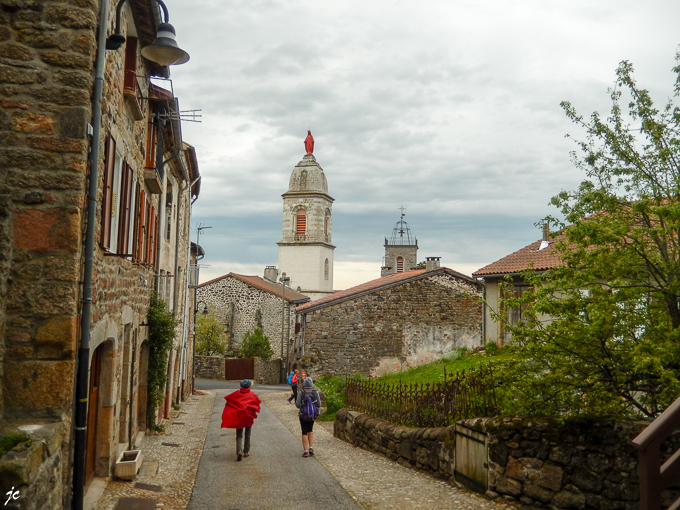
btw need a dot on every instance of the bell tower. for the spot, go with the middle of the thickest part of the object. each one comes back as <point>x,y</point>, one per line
<point>306,251</point>
<point>401,249</point>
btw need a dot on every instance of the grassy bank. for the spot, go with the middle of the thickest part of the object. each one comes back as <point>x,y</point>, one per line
<point>420,372</point>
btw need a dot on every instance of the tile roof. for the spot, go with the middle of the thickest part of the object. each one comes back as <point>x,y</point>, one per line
<point>528,257</point>
<point>262,284</point>
<point>375,285</point>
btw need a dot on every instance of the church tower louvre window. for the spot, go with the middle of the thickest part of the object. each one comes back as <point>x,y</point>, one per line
<point>301,222</point>
<point>305,250</point>
<point>401,249</point>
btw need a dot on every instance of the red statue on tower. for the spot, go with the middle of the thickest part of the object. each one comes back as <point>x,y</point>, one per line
<point>309,142</point>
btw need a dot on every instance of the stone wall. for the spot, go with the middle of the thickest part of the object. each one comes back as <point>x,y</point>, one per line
<point>210,367</point>
<point>32,470</point>
<point>242,308</point>
<point>267,372</point>
<point>380,331</point>
<point>533,461</point>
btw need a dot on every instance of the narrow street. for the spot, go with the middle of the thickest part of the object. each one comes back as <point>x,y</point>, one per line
<point>181,471</point>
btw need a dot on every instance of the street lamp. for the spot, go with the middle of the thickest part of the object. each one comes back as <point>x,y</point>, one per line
<point>283,281</point>
<point>164,50</point>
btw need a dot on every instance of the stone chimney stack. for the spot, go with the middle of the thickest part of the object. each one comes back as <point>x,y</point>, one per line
<point>431,263</point>
<point>270,273</point>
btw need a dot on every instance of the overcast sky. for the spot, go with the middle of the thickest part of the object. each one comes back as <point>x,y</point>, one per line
<point>449,108</point>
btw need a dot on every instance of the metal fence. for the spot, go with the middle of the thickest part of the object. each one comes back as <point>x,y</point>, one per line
<point>460,395</point>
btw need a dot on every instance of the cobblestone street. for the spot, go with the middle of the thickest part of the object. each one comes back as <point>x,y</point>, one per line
<point>171,461</point>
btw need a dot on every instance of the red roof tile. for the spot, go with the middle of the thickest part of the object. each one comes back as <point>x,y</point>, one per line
<point>529,257</point>
<point>262,284</point>
<point>385,281</point>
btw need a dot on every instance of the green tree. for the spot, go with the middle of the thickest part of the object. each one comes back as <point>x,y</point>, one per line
<point>256,345</point>
<point>611,344</point>
<point>210,337</point>
<point>162,326</point>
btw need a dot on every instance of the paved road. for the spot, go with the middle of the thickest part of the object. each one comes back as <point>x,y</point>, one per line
<point>275,476</point>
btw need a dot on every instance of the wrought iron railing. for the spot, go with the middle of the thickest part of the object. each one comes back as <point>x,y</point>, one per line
<point>458,396</point>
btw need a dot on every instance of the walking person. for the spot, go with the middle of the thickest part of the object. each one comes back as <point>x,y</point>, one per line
<point>239,413</point>
<point>294,385</point>
<point>308,403</point>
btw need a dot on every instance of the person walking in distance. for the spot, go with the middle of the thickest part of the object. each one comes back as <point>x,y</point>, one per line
<point>294,385</point>
<point>308,403</point>
<point>239,413</point>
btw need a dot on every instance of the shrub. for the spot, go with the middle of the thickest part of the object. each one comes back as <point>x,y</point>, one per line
<point>256,345</point>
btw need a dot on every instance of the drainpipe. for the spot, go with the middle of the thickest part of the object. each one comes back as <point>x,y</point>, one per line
<point>82,386</point>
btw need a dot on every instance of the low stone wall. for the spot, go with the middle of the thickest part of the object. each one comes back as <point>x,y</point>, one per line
<point>267,372</point>
<point>431,450</point>
<point>534,461</point>
<point>210,367</point>
<point>32,473</point>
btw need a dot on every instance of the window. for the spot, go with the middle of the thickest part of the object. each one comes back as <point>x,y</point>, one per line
<point>151,136</point>
<point>327,223</point>
<point>117,201</point>
<point>400,264</point>
<point>168,211</point>
<point>325,269</point>
<point>301,222</point>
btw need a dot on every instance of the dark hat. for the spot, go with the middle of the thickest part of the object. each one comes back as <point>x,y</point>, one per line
<point>245,383</point>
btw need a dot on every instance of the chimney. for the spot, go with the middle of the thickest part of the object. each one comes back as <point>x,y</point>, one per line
<point>546,229</point>
<point>431,263</point>
<point>270,273</point>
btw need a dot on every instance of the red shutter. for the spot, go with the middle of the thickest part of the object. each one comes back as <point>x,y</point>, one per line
<point>400,264</point>
<point>107,197</point>
<point>151,142</point>
<point>130,81</point>
<point>149,236</point>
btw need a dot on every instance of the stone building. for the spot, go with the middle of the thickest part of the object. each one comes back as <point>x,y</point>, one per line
<point>383,324</point>
<point>243,303</point>
<point>401,249</point>
<point>538,256</point>
<point>95,200</point>
<point>306,251</point>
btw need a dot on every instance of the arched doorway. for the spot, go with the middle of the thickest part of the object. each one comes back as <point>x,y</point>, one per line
<point>93,415</point>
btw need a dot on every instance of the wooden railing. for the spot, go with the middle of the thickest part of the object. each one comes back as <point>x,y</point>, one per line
<point>655,477</point>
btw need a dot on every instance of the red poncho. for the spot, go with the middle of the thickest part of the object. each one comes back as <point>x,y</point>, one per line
<point>240,410</point>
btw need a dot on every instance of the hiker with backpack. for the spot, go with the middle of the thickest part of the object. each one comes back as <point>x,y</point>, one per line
<point>239,413</point>
<point>308,403</point>
<point>293,381</point>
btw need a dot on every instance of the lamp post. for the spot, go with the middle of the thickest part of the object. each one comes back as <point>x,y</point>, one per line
<point>193,361</point>
<point>283,281</point>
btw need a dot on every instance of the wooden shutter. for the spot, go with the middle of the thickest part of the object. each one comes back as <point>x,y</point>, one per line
<point>125,203</point>
<point>130,81</point>
<point>141,244</point>
<point>400,264</point>
<point>134,249</point>
<point>151,133</point>
<point>107,197</point>
<point>149,236</point>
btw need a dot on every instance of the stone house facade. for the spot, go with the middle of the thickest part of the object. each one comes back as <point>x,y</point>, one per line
<point>243,303</point>
<point>381,325</point>
<point>95,201</point>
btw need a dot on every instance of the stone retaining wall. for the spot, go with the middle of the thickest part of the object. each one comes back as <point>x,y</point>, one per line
<point>210,367</point>
<point>534,461</point>
<point>267,372</point>
<point>31,471</point>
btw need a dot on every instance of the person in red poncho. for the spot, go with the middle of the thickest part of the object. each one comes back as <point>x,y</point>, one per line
<point>239,413</point>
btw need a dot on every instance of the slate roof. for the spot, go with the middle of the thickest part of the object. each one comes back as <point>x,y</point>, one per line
<point>377,285</point>
<point>260,283</point>
<point>528,257</point>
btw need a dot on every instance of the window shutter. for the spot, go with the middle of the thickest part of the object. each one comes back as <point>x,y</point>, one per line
<point>134,249</point>
<point>141,245</point>
<point>400,265</point>
<point>125,202</point>
<point>107,198</point>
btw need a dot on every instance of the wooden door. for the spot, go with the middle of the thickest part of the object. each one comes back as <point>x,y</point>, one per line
<point>92,415</point>
<point>471,458</point>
